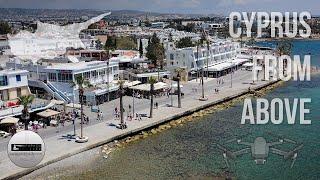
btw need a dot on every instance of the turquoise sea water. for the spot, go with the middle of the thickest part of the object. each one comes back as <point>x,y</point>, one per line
<point>189,152</point>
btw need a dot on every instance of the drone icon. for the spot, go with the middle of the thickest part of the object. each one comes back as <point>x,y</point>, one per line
<point>260,149</point>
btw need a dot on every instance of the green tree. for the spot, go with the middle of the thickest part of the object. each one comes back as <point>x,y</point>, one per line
<point>184,42</point>
<point>126,43</point>
<point>82,83</point>
<point>4,27</point>
<point>111,43</point>
<point>190,27</point>
<point>284,47</point>
<point>140,48</point>
<point>25,101</point>
<point>155,51</point>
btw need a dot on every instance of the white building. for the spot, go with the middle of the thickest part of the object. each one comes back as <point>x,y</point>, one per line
<point>13,84</point>
<point>58,78</point>
<point>220,58</point>
<point>158,25</point>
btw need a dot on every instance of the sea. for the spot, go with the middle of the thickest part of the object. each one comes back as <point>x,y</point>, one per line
<point>190,151</point>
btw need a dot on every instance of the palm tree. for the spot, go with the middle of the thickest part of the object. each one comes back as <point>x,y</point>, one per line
<point>177,78</point>
<point>208,52</point>
<point>151,81</point>
<point>284,47</point>
<point>121,93</point>
<point>198,43</point>
<point>25,101</point>
<point>81,82</point>
<point>202,85</point>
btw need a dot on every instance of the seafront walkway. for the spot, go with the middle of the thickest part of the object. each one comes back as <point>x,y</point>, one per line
<point>100,133</point>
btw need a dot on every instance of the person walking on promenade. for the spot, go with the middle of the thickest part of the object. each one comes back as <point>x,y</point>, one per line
<point>116,112</point>
<point>87,120</point>
<point>129,108</point>
<point>98,115</point>
<point>101,115</point>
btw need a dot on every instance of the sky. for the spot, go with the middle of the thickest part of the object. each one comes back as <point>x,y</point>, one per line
<point>173,6</point>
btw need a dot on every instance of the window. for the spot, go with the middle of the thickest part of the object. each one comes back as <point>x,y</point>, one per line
<point>18,78</point>
<point>67,77</point>
<point>86,75</point>
<point>52,77</point>
<point>102,72</point>
<point>171,56</point>
<point>94,74</point>
<point>3,81</point>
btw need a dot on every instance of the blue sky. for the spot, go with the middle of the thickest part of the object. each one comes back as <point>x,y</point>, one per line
<point>173,6</point>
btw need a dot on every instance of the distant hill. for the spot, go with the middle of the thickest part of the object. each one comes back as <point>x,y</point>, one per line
<point>34,14</point>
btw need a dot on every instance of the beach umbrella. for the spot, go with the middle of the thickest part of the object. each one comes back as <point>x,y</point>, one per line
<point>9,120</point>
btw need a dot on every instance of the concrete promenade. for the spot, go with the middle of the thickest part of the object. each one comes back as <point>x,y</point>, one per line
<point>100,133</point>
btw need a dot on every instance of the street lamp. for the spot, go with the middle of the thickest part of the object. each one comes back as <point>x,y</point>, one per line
<point>231,78</point>
<point>133,94</point>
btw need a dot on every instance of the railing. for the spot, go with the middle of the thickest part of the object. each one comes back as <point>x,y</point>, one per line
<point>54,89</point>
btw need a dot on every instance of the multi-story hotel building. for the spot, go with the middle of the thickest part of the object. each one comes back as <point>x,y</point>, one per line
<point>218,60</point>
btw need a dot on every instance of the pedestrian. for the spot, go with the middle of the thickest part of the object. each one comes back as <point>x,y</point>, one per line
<point>101,115</point>
<point>87,120</point>
<point>116,112</point>
<point>129,108</point>
<point>156,105</point>
<point>44,125</point>
<point>98,115</point>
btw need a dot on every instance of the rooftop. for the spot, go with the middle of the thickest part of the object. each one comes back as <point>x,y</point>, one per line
<point>12,72</point>
<point>78,65</point>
